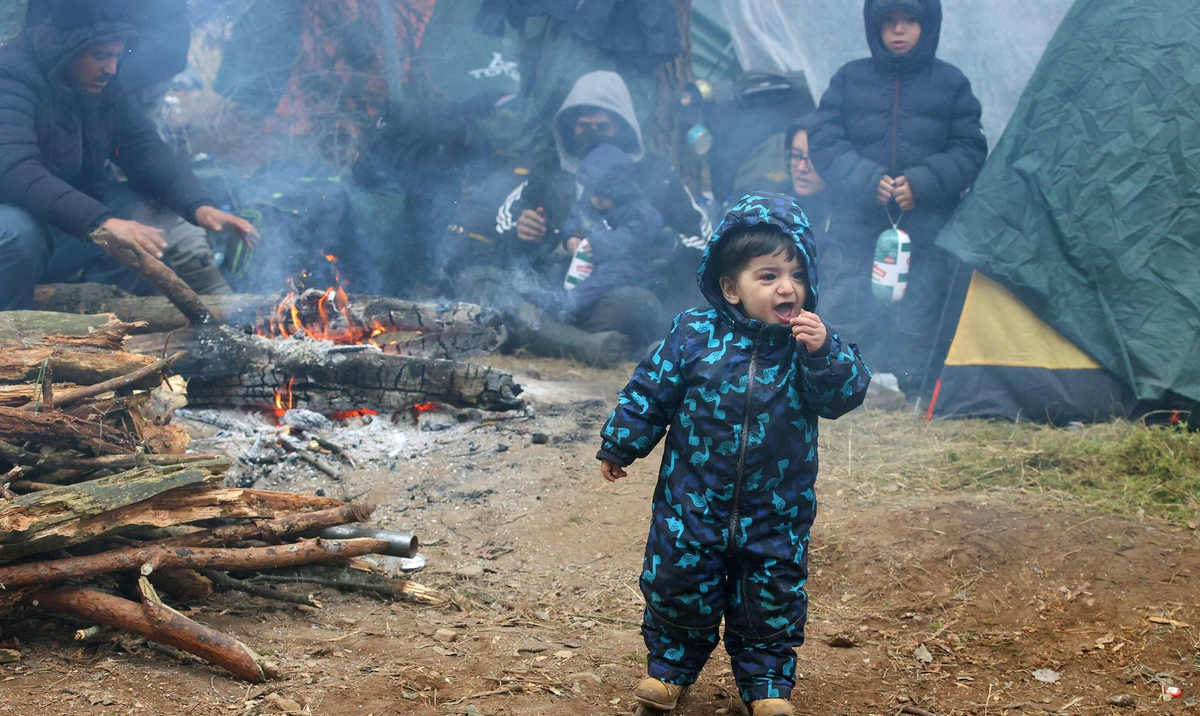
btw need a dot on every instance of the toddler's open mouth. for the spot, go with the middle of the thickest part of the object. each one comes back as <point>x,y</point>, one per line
<point>784,311</point>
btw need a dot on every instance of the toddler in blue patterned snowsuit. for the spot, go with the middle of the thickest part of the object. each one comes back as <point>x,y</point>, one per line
<point>737,389</point>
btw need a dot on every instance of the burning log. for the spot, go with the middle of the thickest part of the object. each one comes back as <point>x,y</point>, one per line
<point>228,368</point>
<point>441,330</point>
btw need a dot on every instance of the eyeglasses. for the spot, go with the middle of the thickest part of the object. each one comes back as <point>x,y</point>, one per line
<point>798,158</point>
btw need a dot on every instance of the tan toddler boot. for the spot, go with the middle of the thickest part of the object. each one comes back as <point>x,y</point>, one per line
<point>657,694</point>
<point>771,707</point>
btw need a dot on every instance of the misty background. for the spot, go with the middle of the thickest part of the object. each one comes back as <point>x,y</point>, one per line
<point>336,135</point>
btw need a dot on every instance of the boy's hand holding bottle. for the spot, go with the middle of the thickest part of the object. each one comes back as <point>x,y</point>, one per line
<point>809,331</point>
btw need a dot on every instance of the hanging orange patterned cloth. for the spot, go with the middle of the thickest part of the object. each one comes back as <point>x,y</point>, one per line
<point>340,79</point>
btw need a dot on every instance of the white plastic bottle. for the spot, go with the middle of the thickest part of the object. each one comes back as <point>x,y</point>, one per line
<point>889,273</point>
<point>581,265</point>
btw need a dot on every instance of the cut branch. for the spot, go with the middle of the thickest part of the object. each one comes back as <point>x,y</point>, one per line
<point>130,255</point>
<point>156,622</point>
<point>71,397</point>
<point>224,581</point>
<point>68,514</point>
<point>161,557</point>
<point>274,529</point>
<point>22,456</point>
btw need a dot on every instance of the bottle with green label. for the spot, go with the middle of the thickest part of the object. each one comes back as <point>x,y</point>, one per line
<point>889,272</point>
<point>581,266</point>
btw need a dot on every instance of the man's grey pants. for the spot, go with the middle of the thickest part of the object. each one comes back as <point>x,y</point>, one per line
<point>33,253</point>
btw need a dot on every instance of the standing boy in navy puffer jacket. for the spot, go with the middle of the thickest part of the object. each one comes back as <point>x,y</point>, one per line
<point>896,134</point>
<point>737,388</point>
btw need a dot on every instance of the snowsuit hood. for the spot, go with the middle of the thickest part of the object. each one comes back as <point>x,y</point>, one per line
<point>930,12</point>
<point>608,171</point>
<point>602,90</point>
<point>778,210</point>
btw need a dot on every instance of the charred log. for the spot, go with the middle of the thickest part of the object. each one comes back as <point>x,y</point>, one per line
<point>228,368</point>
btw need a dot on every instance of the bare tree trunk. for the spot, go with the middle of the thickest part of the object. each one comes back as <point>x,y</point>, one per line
<point>667,136</point>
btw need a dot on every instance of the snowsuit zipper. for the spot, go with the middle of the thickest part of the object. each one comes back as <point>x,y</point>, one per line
<point>895,122</point>
<point>737,479</point>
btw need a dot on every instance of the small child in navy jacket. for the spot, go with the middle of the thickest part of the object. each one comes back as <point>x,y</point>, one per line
<point>897,133</point>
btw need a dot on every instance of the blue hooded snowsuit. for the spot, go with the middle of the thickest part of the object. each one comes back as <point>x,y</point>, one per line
<point>738,401</point>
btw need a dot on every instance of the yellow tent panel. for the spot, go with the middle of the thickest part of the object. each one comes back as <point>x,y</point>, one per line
<point>996,329</point>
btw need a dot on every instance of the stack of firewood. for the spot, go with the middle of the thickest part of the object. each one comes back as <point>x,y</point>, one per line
<point>101,508</point>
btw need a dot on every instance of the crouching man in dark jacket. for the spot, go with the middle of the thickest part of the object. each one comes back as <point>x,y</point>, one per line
<point>63,117</point>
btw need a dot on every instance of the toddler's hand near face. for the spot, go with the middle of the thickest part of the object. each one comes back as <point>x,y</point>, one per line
<point>809,331</point>
<point>612,471</point>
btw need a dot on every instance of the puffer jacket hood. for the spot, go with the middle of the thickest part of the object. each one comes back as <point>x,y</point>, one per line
<point>74,27</point>
<point>930,13</point>
<point>777,210</point>
<point>604,90</point>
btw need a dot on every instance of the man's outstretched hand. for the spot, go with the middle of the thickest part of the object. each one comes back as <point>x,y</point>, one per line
<point>612,471</point>
<point>213,219</point>
<point>148,238</point>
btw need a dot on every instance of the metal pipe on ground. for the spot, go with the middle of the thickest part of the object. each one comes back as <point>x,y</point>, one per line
<point>400,544</point>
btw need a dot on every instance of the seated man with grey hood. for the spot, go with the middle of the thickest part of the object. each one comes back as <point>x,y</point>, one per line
<point>64,116</point>
<point>526,234</point>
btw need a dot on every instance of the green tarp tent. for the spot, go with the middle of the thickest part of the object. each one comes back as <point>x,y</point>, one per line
<point>1088,209</point>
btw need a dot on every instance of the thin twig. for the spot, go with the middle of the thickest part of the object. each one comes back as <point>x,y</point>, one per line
<point>71,397</point>
<point>223,580</point>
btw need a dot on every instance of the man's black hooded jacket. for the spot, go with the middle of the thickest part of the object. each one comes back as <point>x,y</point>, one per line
<point>55,141</point>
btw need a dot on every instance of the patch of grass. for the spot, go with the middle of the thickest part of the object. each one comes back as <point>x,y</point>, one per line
<point>1118,468</point>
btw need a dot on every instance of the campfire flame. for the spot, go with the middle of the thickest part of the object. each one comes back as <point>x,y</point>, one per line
<point>325,315</point>
<point>333,321</point>
<point>284,401</point>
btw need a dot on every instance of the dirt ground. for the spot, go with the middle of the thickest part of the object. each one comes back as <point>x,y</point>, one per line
<point>935,603</point>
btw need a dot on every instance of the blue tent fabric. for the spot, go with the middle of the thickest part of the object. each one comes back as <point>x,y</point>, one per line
<point>1089,208</point>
